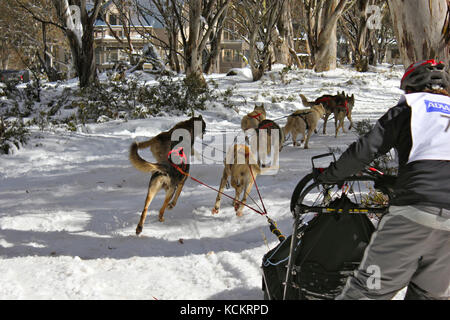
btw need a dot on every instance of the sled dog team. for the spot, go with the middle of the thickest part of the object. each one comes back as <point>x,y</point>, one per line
<point>171,168</point>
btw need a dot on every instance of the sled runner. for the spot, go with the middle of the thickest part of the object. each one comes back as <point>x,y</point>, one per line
<point>332,227</point>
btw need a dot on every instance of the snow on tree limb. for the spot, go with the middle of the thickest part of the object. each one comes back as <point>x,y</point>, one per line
<point>72,18</point>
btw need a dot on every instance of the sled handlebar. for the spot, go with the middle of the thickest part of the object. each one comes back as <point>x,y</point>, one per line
<point>330,154</point>
<point>380,178</point>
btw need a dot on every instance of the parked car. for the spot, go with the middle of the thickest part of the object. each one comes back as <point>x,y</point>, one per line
<point>18,75</point>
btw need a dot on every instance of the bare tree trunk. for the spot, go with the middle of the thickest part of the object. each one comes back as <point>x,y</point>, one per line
<point>321,17</point>
<point>80,34</point>
<point>258,19</point>
<point>284,37</point>
<point>193,58</point>
<point>361,61</point>
<point>215,43</point>
<point>46,62</point>
<point>174,62</point>
<point>420,29</point>
<point>326,54</point>
<point>198,37</point>
<point>84,59</point>
<point>213,57</point>
<point>309,22</point>
<point>4,55</point>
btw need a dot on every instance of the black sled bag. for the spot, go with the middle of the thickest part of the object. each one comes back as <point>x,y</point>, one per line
<point>330,248</point>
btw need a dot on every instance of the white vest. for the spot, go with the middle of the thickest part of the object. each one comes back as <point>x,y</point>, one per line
<point>430,126</point>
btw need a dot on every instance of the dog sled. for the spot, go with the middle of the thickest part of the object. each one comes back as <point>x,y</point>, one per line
<point>333,224</point>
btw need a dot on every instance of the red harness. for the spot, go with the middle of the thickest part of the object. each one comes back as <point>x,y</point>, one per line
<point>255,116</point>
<point>179,154</point>
<point>326,99</point>
<point>345,105</point>
<point>267,125</point>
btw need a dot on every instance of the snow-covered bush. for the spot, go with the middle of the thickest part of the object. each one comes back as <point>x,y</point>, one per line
<point>132,99</point>
<point>12,133</point>
<point>47,105</point>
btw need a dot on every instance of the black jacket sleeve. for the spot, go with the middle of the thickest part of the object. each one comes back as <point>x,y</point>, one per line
<point>384,136</point>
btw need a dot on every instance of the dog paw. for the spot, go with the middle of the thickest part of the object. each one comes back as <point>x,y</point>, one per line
<point>161,219</point>
<point>215,211</point>
<point>138,230</point>
<point>239,213</point>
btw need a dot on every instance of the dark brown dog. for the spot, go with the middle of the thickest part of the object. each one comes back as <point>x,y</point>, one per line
<point>341,105</point>
<point>166,174</point>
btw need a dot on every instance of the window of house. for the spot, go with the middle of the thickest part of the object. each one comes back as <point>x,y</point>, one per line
<point>97,56</point>
<point>115,55</point>
<point>237,56</point>
<point>112,54</point>
<point>114,20</point>
<point>227,55</point>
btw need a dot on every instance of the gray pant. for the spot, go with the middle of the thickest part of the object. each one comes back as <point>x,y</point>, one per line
<point>402,253</point>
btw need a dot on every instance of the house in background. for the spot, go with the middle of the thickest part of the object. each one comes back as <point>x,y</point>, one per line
<point>112,47</point>
<point>111,42</point>
<point>234,51</point>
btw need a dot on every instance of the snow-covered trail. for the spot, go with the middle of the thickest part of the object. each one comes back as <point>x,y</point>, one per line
<point>70,202</point>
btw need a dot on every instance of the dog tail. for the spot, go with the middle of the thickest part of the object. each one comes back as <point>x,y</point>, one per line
<point>288,127</point>
<point>305,102</point>
<point>144,144</point>
<point>141,164</point>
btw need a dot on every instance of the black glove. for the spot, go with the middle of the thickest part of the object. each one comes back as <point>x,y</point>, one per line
<point>385,182</point>
<point>319,176</point>
<point>317,173</point>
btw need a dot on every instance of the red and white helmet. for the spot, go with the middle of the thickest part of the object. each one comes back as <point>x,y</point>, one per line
<point>427,74</point>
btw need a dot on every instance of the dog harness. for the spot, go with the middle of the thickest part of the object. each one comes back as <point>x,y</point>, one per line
<point>327,99</point>
<point>303,116</point>
<point>177,158</point>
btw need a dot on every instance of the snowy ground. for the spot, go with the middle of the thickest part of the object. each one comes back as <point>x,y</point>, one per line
<point>70,201</point>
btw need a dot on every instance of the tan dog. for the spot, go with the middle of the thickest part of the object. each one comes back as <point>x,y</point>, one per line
<point>165,173</point>
<point>239,165</point>
<point>302,121</point>
<point>252,119</point>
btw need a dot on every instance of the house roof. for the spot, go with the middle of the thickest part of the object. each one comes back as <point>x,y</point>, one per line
<point>149,14</point>
<point>146,18</point>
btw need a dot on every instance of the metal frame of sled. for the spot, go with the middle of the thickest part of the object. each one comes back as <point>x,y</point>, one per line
<point>312,197</point>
